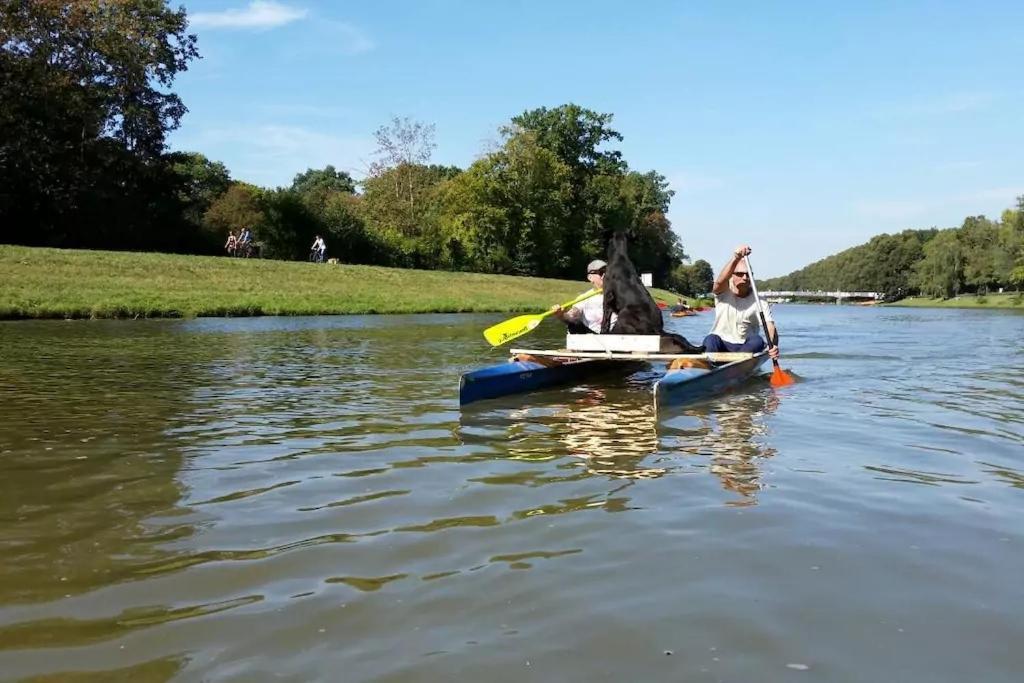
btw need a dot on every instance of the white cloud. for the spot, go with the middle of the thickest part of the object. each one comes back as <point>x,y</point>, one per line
<point>350,39</point>
<point>271,154</point>
<point>258,14</point>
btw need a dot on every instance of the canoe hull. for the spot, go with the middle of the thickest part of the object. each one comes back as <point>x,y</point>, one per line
<point>685,385</point>
<point>515,377</point>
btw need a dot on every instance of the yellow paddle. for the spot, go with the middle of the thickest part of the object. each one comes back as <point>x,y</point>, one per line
<point>506,331</point>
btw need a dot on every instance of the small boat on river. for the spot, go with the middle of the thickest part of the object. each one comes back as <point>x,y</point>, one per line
<point>695,381</point>
<point>688,377</point>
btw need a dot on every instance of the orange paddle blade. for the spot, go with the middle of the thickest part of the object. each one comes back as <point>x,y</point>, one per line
<point>781,378</point>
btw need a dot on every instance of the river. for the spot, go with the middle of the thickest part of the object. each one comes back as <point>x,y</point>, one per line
<point>301,499</point>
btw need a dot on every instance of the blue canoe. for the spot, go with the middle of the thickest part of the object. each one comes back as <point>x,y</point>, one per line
<point>516,377</point>
<point>674,388</point>
<point>693,384</point>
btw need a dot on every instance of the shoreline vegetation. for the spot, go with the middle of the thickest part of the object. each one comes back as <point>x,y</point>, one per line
<point>1009,300</point>
<point>44,283</point>
<point>39,282</point>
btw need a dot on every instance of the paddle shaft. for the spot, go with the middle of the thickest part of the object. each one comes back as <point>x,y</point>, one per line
<point>760,309</point>
<point>508,330</point>
<point>569,304</point>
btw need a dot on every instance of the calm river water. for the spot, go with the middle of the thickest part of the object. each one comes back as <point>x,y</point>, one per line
<point>301,499</point>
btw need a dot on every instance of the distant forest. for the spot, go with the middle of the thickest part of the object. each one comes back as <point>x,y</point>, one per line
<point>86,105</point>
<point>980,256</point>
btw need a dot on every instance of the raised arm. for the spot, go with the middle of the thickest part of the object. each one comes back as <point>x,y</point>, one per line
<point>722,281</point>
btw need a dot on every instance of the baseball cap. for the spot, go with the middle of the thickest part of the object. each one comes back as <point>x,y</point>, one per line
<point>596,265</point>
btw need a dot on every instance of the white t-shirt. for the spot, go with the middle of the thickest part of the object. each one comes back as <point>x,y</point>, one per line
<point>736,318</point>
<point>591,313</point>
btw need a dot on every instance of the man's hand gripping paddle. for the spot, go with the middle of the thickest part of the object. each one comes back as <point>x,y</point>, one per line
<point>512,328</point>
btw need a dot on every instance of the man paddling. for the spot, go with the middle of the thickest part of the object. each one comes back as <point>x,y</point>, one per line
<point>737,327</point>
<point>586,316</point>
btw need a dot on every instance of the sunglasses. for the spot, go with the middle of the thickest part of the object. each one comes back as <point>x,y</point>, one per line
<point>740,273</point>
<point>595,272</point>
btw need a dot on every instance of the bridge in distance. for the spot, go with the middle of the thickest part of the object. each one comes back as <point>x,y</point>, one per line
<point>838,296</point>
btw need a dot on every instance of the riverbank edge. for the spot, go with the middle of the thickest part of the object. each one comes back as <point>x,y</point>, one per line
<point>39,283</point>
<point>1004,301</point>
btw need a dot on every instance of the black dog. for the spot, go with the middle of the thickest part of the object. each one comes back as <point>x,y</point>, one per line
<point>627,297</point>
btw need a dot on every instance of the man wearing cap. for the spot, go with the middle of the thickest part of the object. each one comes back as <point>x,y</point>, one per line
<point>586,316</point>
<point>737,325</point>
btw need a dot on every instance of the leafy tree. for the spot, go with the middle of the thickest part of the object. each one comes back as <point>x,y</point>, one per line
<point>1016,277</point>
<point>348,238</point>
<point>332,210</point>
<point>400,195</point>
<point>702,277</point>
<point>884,264</point>
<point>403,141</point>
<point>241,206</point>
<point>941,271</point>
<point>289,226</point>
<point>692,280</point>
<point>322,182</point>
<point>199,182</point>
<point>654,247</point>
<point>83,119</point>
<point>575,136</point>
<point>507,212</point>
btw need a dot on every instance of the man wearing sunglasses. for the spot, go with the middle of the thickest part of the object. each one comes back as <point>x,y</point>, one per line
<point>586,316</point>
<point>737,326</point>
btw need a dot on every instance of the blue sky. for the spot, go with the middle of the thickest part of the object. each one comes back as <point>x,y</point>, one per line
<point>800,128</point>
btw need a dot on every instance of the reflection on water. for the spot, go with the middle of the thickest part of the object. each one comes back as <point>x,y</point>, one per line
<point>731,432</point>
<point>293,498</point>
<point>614,431</point>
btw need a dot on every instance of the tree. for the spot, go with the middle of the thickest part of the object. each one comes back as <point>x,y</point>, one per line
<point>575,136</point>
<point>241,206</point>
<point>702,277</point>
<point>400,195</point>
<point>323,182</point>
<point>200,182</point>
<point>654,247</point>
<point>941,271</point>
<point>83,117</point>
<point>288,227</point>
<point>347,236</point>
<point>400,209</point>
<point>884,264</point>
<point>506,213</point>
<point>403,141</point>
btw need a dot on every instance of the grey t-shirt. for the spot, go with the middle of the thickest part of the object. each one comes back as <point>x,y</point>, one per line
<point>736,318</point>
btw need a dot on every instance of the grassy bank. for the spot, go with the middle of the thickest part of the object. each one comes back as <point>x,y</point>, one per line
<point>61,283</point>
<point>1005,300</point>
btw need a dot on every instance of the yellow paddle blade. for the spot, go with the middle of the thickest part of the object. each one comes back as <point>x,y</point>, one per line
<point>506,331</point>
<point>510,329</point>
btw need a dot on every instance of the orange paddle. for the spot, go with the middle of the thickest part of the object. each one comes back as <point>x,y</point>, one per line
<point>780,377</point>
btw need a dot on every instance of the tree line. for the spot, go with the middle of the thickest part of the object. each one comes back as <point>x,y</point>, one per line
<point>86,105</point>
<point>980,256</point>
